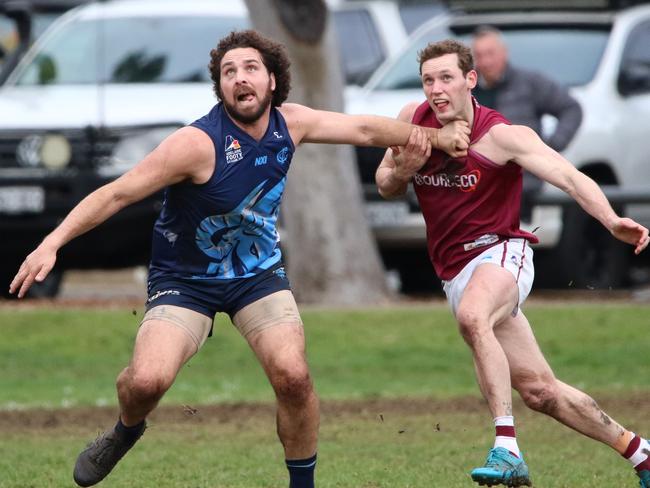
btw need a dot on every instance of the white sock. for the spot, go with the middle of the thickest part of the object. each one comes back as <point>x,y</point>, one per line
<point>640,454</point>
<point>505,434</point>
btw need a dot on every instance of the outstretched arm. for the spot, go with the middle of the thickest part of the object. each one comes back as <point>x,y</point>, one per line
<point>309,125</point>
<point>180,156</point>
<point>523,146</point>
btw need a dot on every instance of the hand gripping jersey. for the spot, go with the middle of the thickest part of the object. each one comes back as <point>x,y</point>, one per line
<point>226,227</point>
<point>467,203</point>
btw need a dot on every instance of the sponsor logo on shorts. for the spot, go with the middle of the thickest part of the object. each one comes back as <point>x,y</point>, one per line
<point>162,293</point>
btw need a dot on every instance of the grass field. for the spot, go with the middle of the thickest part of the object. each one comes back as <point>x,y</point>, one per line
<point>400,405</point>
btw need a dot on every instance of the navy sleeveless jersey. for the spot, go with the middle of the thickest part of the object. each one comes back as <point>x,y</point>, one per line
<point>226,228</point>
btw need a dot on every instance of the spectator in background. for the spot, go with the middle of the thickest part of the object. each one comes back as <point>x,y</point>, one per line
<point>522,97</point>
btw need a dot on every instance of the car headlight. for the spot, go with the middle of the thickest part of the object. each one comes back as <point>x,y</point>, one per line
<point>132,148</point>
<point>52,151</point>
<point>55,152</point>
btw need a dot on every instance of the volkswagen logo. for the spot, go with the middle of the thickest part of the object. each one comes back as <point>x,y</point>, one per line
<point>28,152</point>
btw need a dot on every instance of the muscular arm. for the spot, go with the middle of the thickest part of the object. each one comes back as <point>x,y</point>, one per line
<point>523,146</point>
<point>186,154</point>
<point>308,125</point>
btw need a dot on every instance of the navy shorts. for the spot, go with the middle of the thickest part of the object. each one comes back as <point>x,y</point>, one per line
<point>211,296</point>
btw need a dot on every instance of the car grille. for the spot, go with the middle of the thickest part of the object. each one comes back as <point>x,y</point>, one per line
<point>89,147</point>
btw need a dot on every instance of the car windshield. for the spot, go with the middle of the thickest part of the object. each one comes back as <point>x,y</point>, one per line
<point>129,50</point>
<point>569,56</point>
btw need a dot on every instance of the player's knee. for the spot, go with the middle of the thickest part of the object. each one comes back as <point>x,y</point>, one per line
<point>145,385</point>
<point>541,396</point>
<point>470,325</point>
<point>292,384</point>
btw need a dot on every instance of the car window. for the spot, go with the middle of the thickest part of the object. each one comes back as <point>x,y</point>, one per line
<point>360,45</point>
<point>404,72</point>
<point>569,56</point>
<point>129,50</point>
<point>635,64</point>
<point>414,15</point>
<point>637,47</point>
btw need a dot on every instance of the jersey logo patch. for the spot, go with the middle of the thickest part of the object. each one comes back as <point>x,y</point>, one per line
<point>233,150</point>
<point>283,155</point>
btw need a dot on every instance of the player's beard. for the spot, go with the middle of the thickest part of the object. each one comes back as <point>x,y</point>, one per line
<point>249,118</point>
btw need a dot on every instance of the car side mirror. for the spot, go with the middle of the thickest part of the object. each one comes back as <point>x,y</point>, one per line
<point>634,79</point>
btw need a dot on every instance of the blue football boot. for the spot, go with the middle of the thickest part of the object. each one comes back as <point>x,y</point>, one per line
<point>503,468</point>
<point>644,474</point>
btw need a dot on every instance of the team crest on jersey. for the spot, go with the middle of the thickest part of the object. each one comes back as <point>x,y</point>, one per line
<point>233,150</point>
<point>283,155</point>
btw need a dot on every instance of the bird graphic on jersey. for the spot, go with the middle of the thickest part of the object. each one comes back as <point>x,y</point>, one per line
<point>237,239</point>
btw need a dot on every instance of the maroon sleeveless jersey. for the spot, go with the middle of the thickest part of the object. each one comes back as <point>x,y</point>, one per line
<point>468,203</point>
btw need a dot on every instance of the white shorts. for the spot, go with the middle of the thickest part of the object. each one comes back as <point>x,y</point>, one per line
<point>515,255</point>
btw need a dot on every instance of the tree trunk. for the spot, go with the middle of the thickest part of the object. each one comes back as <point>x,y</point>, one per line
<point>331,254</point>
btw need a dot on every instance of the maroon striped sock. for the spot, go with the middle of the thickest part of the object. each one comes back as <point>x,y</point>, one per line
<point>506,430</point>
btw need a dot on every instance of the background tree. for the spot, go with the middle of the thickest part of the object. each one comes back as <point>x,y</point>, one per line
<point>331,255</point>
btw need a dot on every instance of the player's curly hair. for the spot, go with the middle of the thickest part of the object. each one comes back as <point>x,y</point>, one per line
<point>274,57</point>
<point>448,46</point>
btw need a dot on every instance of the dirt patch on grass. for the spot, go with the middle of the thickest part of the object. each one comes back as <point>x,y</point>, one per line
<point>34,420</point>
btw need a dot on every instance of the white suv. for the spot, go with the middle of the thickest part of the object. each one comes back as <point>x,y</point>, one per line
<point>604,57</point>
